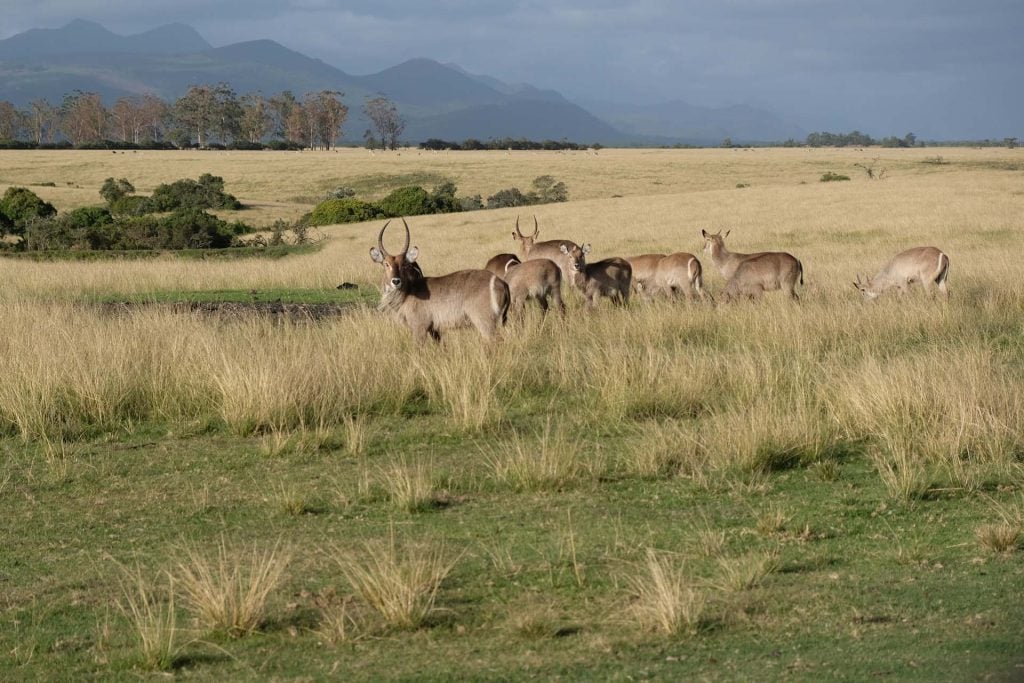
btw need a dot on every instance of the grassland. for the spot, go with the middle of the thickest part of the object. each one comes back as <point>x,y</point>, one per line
<point>826,490</point>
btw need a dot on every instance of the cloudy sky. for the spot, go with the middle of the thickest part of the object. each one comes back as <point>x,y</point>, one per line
<point>939,68</point>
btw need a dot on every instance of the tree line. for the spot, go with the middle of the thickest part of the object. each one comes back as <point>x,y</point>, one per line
<point>205,116</point>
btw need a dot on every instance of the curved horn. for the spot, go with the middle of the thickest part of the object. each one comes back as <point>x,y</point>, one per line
<point>536,228</point>
<point>380,239</point>
<point>407,237</point>
<point>517,227</point>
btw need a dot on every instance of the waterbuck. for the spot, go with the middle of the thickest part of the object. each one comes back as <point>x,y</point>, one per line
<point>753,274</point>
<point>500,263</point>
<point>530,248</point>
<point>611,277</point>
<point>536,279</point>
<point>927,265</point>
<point>428,305</point>
<point>671,274</point>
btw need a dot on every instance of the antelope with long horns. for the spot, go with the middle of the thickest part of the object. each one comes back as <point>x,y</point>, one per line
<point>429,305</point>
<point>927,265</point>
<point>530,248</point>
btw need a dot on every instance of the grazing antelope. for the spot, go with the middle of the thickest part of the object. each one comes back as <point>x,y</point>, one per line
<point>926,265</point>
<point>611,277</point>
<point>753,274</point>
<point>530,248</point>
<point>671,274</point>
<point>500,263</point>
<point>428,305</point>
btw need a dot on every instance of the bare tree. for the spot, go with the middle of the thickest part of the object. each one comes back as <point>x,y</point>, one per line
<point>83,118</point>
<point>297,126</point>
<point>255,117</point>
<point>155,114</point>
<point>281,106</point>
<point>43,120</point>
<point>325,116</point>
<point>10,121</point>
<point>384,116</point>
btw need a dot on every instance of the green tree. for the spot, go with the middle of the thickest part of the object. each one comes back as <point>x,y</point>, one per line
<point>196,112</point>
<point>20,205</point>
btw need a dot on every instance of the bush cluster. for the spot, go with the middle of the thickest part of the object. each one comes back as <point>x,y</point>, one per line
<point>546,190</point>
<point>19,206</point>
<point>404,201</point>
<point>95,228</point>
<point>182,195</point>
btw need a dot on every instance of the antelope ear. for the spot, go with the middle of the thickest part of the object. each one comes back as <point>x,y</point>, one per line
<point>856,286</point>
<point>586,248</point>
<point>514,235</point>
<point>411,255</point>
<point>376,255</point>
<point>726,234</point>
<point>564,249</point>
<point>704,233</point>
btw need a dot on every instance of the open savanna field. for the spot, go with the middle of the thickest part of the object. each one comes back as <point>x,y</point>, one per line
<point>822,490</point>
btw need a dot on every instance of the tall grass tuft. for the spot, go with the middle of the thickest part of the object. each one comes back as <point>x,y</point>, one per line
<point>229,590</point>
<point>666,599</point>
<point>400,582</point>
<point>151,612</point>
<point>552,462</point>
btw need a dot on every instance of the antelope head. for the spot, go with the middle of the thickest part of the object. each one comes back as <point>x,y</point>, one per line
<point>714,242</point>
<point>577,258</point>
<point>400,270</point>
<point>527,240</point>
<point>865,288</point>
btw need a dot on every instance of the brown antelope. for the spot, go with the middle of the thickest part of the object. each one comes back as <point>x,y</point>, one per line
<point>671,274</point>
<point>610,278</point>
<point>530,248</point>
<point>927,265</point>
<point>428,305</point>
<point>536,279</point>
<point>500,263</point>
<point>753,274</point>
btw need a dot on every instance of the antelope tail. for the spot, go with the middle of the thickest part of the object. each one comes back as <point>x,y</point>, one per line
<point>943,272</point>
<point>499,298</point>
<point>800,265</point>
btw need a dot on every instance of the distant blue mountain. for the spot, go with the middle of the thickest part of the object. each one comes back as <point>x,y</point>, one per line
<point>438,100</point>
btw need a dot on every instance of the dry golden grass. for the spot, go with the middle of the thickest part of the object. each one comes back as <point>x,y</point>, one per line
<point>666,599</point>
<point>151,612</point>
<point>400,582</point>
<point>229,590</point>
<point>716,393</point>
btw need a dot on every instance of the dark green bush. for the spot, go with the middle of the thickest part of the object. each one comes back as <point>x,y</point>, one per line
<point>88,217</point>
<point>113,190</point>
<point>830,177</point>
<point>20,205</point>
<point>407,201</point>
<point>506,198</point>
<point>333,211</point>
<point>206,193</point>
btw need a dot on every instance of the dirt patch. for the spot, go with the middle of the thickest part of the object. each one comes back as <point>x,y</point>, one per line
<point>236,310</point>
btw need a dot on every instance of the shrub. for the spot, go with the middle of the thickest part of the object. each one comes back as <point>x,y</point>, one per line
<point>506,198</point>
<point>205,193</point>
<point>195,229</point>
<point>443,198</point>
<point>130,205</point>
<point>113,190</point>
<point>474,203</point>
<point>548,191</point>
<point>407,201</point>
<point>20,204</point>
<point>829,177</point>
<point>333,211</point>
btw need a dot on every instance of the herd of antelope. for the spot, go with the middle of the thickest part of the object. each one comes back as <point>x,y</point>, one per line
<point>482,298</point>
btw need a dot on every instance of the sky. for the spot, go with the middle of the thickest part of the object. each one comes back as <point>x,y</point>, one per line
<point>942,69</point>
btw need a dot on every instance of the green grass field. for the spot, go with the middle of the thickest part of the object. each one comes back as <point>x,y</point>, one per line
<point>829,490</point>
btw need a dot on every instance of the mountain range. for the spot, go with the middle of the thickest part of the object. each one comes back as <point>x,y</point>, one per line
<point>437,100</point>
